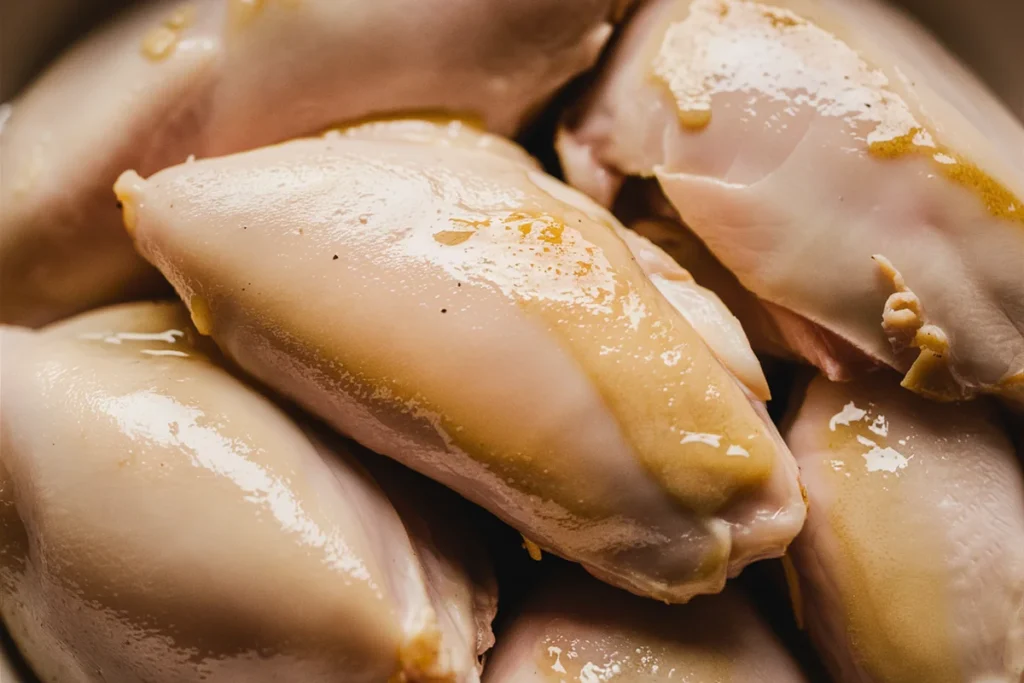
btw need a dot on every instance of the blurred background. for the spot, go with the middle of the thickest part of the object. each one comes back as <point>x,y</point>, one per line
<point>986,34</point>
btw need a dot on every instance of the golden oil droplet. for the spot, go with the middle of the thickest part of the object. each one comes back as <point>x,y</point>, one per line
<point>451,238</point>
<point>202,317</point>
<point>533,549</point>
<point>130,218</point>
<point>696,118</point>
<point>159,43</point>
<point>182,17</point>
<point>125,190</point>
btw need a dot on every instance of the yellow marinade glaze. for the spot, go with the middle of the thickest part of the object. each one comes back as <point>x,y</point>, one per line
<point>202,317</point>
<point>533,550</point>
<point>737,46</point>
<point>670,397</point>
<point>688,421</point>
<point>999,201</point>
<point>183,16</point>
<point>161,41</point>
<point>243,12</point>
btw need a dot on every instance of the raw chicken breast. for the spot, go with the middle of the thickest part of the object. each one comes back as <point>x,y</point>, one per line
<point>575,630</point>
<point>162,522</point>
<point>168,80</point>
<point>911,566</point>
<point>847,170</point>
<point>431,293</point>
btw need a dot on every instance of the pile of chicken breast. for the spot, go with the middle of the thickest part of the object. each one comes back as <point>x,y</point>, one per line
<point>311,373</point>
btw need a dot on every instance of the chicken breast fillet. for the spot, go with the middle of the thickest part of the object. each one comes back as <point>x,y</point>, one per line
<point>911,566</point>
<point>168,80</point>
<point>162,522</point>
<point>574,630</point>
<point>843,165</point>
<point>430,292</point>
